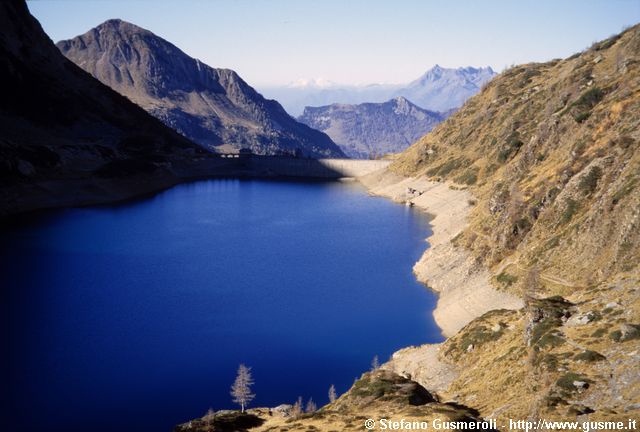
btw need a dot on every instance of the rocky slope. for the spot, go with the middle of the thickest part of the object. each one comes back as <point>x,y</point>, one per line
<point>372,129</point>
<point>378,394</point>
<point>213,107</point>
<point>439,89</point>
<point>66,138</point>
<point>551,153</point>
<point>549,156</point>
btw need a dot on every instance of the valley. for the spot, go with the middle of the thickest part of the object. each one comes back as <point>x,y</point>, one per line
<point>476,262</point>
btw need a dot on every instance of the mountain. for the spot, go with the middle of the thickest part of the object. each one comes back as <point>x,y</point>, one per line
<point>66,138</point>
<point>549,155</point>
<point>213,107</point>
<point>439,89</point>
<point>371,129</point>
<point>297,96</point>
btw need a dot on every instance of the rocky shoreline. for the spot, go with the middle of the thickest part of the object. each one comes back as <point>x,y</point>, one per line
<point>463,286</point>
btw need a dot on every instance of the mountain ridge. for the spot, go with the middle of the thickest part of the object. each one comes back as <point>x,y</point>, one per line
<point>372,129</point>
<point>67,138</point>
<point>443,89</point>
<point>421,91</point>
<point>213,107</point>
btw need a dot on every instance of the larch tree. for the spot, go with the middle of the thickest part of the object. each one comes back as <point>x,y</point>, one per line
<point>375,363</point>
<point>311,406</point>
<point>296,410</point>
<point>332,393</point>
<point>241,388</point>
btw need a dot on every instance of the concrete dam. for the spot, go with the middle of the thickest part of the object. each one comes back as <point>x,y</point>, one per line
<point>320,168</point>
<point>281,166</point>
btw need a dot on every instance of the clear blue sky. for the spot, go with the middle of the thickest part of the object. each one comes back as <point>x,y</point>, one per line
<point>353,41</point>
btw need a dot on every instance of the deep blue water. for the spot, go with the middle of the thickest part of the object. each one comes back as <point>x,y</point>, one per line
<point>135,317</point>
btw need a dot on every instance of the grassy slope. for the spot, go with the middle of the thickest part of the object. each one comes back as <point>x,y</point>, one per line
<point>551,151</point>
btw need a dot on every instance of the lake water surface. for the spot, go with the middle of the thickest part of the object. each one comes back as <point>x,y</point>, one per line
<point>135,317</point>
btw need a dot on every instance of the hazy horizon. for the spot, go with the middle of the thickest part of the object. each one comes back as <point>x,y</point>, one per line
<point>353,43</point>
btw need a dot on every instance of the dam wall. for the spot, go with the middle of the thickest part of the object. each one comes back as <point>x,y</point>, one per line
<point>279,166</point>
<point>318,168</point>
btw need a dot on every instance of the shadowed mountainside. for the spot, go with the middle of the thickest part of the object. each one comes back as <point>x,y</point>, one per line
<point>213,107</point>
<point>61,127</point>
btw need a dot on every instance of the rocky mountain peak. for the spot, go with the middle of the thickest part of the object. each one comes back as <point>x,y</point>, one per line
<point>402,105</point>
<point>442,89</point>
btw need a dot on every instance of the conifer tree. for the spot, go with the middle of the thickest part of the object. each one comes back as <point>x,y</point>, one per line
<point>241,388</point>
<point>332,393</point>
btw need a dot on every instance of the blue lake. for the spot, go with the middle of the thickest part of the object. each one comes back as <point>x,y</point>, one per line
<point>135,317</point>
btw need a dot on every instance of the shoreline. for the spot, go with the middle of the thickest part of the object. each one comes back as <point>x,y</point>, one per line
<point>463,286</point>
<point>81,190</point>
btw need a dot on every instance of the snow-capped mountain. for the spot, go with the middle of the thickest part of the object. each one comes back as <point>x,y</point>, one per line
<point>439,89</point>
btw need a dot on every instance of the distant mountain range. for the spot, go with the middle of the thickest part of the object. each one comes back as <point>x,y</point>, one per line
<point>439,89</point>
<point>373,129</point>
<point>213,107</point>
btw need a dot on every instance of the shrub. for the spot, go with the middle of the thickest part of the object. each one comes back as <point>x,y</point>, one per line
<point>522,225</point>
<point>578,149</point>
<point>589,356</point>
<point>581,117</point>
<point>590,98</point>
<point>447,167</point>
<point>625,190</point>
<point>631,332</point>
<point>506,279</point>
<point>570,210</point>
<point>615,335</point>
<point>550,339</point>
<point>510,148</point>
<point>553,242</point>
<point>566,381</point>
<point>469,177</point>
<point>581,107</point>
<point>607,43</point>
<point>551,311</point>
<point>589,182</point>
<point>478,336</point>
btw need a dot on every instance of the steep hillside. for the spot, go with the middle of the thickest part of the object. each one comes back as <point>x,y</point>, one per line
<point>213,107</point>
<point>551,152</point>
<point>61,126</point>
<point>372,129</point>
<point>549,157</point>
